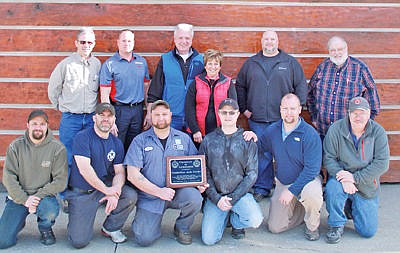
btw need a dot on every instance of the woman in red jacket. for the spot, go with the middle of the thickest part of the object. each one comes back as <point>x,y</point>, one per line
<point>205,94</point>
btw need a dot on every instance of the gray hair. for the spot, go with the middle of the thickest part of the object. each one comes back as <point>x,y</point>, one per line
<point>85,30</point>
<point>335,38</point>
<point>184,27</point>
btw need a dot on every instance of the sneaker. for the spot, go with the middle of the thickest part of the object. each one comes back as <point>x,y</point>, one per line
<point>115,236</point>
<point>47,238</point>
<point>184,238</point>
<point>311,235</point>
<point>238,233</point>
<point>334,234</point>
<point>348,211</point>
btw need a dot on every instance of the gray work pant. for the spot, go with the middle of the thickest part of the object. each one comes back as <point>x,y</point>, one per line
<point>82,212</point>
<point>146,226</point>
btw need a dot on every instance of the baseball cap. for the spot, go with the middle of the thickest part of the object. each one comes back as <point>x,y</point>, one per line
<point>38,113</point>
<point>358,103</point>
<point>159,102</point>
<point>230,102</point>
<point>103,107</point>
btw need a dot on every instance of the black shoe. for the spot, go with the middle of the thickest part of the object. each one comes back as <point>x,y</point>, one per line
<point>238,233</point>
<point>47,238</point>
<point>258,196</point>
<point>348,211</point>
<point>183,237</point>
<point>334,234</point>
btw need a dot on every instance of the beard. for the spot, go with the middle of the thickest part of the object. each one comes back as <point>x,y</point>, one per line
<point>105,128</point>
<point>289,120</point>
<point>162,125</point>
<point>37,134</point>
<point>339,61</point>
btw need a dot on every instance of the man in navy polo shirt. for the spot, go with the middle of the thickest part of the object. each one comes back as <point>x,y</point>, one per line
<point>98,175</point>
<point>146,161</point>
<point>122,79</point>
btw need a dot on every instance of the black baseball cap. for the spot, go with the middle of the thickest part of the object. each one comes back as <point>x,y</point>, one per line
<point>38,113</point>
<point>230,102</point>
<point>103,107</point>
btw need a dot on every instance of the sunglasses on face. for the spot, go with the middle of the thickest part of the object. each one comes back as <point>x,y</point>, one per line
<point>224,113</point>
<point>83,42</point>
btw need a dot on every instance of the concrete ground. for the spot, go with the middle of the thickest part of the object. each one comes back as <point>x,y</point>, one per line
<point>387,238</point>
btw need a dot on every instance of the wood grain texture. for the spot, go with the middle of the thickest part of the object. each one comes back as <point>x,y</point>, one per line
<point>36,93</point>
<point>49,14</point>
<point>227,41</point>
<point>42,66</point>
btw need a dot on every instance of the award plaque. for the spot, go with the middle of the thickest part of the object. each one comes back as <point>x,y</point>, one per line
<point>184,171</point>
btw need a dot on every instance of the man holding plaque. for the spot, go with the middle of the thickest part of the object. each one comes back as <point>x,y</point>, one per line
<point>231,172</point>
<point>147,170</point>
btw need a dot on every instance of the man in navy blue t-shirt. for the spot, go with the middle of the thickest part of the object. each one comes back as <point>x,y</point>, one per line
<point>98,175</point>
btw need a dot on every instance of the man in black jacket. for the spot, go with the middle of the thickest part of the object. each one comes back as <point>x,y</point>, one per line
<point>231,172</point>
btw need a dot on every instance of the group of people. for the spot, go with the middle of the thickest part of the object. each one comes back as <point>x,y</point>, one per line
<point>110,153</point>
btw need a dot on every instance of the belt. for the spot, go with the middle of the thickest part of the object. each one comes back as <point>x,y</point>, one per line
<point>128,104</point>
<point>78,190</point>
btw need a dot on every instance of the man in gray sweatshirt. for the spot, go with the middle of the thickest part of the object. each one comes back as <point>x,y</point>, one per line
<point>35,170</point>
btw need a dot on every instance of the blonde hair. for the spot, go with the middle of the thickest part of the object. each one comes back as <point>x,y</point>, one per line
<point>212,54</point>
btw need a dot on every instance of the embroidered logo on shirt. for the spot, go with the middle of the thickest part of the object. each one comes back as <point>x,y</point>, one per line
<point>111,155</point>
<point>148,148</point>
<point>178,144</point>
<point>138,62</point>
<point>296,138</point>
<point>46,164</point>
<point>282,68</point>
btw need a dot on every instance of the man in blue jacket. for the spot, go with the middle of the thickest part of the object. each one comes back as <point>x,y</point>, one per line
<point>174,74</point>
<point>297,150</point>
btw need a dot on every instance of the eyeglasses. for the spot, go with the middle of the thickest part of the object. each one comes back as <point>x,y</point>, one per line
<point>83,42</point>
<point>231,113</point>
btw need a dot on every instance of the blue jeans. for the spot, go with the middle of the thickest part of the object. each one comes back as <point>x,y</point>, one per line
<point>178,123</point>
<point>70,125</point>
<point>265,178</point>
<point>146,226</point>
<point>129,120</point>
<point>82,213</point>
<point>13,219</point>
<point>364,211</point>
<point>244,213</point>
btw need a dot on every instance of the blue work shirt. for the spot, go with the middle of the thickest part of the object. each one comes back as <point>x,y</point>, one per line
<point>147,153</point>
<point>103,154</point>
<point>126,78</point>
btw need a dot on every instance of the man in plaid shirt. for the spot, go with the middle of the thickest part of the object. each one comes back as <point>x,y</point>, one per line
<point>336,80</point>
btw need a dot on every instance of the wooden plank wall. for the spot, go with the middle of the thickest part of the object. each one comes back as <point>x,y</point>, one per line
<point>36,35</point>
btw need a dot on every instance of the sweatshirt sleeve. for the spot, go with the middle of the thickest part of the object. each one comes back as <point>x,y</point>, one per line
<point>10,177</point>
<point>312,148</point>
<point>331,150</point>
<point>380,162</point>
<point>299,82</point>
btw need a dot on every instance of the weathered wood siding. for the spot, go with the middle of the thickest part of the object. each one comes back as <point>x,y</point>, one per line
<point>36,35</point>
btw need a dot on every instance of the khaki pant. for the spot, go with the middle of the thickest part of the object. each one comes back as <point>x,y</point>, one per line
<point>307,208</point>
